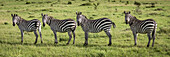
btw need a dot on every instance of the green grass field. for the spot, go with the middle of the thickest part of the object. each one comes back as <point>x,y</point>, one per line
<point>122,39</point>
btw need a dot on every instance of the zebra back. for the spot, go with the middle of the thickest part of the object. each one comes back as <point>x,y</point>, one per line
<point>94,26</point>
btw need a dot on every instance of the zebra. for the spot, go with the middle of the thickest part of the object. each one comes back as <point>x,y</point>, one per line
<point>94,26</point>
<point>147,26</point>
<point>29,26</point>
<point>56,25</point>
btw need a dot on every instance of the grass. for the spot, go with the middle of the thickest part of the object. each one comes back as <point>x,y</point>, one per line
<point>122,39</point>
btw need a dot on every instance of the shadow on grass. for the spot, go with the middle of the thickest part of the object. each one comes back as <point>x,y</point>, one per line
<point>77,45</point>
<point>31,44</point>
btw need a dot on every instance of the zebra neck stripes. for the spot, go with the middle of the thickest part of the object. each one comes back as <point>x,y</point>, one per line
<point>133,20</point>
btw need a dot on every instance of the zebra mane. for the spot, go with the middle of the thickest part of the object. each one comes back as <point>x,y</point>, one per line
<point>85,16</point>
<point>133,19</point>
<point>50,17</point>
<point>21,19</point>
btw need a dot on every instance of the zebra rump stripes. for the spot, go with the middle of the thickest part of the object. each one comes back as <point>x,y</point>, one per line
<point>67,25</point>
<point>94,26</point>
<point>141,26</point>
<point>29,26</point>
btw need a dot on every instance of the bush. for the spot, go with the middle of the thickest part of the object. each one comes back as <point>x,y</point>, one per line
<point>2,4</point>
<point>28,3</point>
<point>6,23</point>
<point>137,3</point>
<point>86,4</point>
<point>69,2</point>
<point>31,16</point>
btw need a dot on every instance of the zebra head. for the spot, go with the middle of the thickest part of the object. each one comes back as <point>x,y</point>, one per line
<point>127,15</point>
<point>15,19</point>
<point>44,19</point>
<point>80,18</point>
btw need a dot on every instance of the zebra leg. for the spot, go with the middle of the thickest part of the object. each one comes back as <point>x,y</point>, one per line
<point>110,37</point>
<point>149,37</point>
<point>86,39</point>
<point>55,37</point>
<point>70,36</point>
<point>22,33</point>
<point>135,38</point>
<point>74,37</point>
<point>40,35</point>
<point>35,32</point>
<point>153,36</point>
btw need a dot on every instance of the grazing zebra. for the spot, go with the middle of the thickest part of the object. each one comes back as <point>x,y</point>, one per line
<point>67,25</point>
<point>29,26</point>
<point>94,26</point>
<point>141,26</point>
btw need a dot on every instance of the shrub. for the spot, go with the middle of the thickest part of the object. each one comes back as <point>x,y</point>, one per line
<point>6,23</point>
<point>31,16</point>
<point>86,4</point>
<point>28,3</point>
<point>69,2</point>
<point>2,4</point>
<point>137,3</point>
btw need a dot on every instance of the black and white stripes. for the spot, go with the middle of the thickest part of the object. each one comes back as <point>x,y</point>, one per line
<point>141,26</point>
<point>67,25</point>
<point>94,26</point>
<point>29,26</point>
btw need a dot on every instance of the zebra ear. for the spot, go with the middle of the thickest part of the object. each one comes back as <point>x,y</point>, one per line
<point>80,13</point>
<point>76,13</point>
<point>42,14</point>
<point>129,12</point>
<point>124,12</point>
<point>16,14</point>
<point>12,15</point>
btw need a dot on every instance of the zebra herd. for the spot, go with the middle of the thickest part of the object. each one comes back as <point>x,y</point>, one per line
<point>93,26</point>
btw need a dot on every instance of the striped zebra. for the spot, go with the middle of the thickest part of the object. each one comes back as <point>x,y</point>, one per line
<point>29,26</point>
<point>94,26</point>
<point>141,26</point>
<point>67,25</point>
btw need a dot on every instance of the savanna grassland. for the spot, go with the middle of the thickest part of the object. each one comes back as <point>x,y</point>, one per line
<point>122,38</point>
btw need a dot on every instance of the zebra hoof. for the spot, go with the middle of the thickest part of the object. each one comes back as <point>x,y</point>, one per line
<point>85,44</point>
<point>109,44</point>
<point>134,44</point>
<point>35,43</point>
<point>41,42</point>
<point>73,42</point>
<point>147,45</point>
<point>67,44</point>
<point>55,42</point>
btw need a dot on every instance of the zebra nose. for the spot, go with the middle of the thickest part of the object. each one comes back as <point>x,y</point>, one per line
<point>13,24</point>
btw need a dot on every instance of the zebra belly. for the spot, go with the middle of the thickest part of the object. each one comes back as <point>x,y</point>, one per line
<point>63,31</point>
<point>148,30</point>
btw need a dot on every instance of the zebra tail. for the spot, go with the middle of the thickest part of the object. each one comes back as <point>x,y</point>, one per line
<point>154,30</point>
<point>114,25</point>
<point>38,24</point>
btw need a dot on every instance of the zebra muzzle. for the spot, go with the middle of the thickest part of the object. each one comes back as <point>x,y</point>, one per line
<point>13,24</point>
<point>78,23</point>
